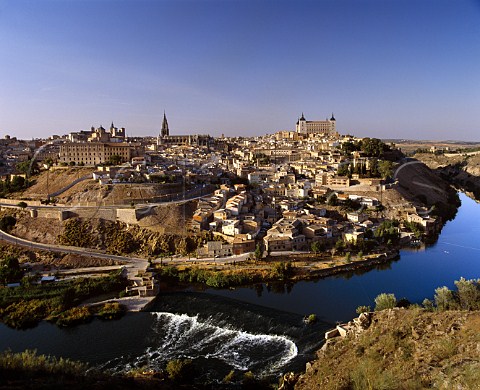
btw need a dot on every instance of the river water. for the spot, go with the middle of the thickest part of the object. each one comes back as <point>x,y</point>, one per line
<point>260,328</point>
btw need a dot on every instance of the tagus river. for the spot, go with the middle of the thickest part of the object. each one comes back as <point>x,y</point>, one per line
<point>260,328</point>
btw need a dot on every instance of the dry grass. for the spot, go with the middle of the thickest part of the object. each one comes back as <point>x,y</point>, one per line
<point>403,349</point>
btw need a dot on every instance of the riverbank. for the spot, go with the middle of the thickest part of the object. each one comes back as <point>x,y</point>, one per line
<point>398,349</point>
<point>301,267</point>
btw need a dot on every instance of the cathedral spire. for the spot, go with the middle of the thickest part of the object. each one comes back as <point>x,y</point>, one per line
<point>165,131</point>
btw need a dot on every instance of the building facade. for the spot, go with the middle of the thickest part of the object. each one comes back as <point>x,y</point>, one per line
<point>93,153</point>
<point>326,127</point>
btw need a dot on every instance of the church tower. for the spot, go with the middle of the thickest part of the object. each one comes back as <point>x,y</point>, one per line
<point>165,131</point>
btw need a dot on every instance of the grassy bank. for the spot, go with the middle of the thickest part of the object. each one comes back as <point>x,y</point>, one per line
<point>275,269</point>
<point>24,306</point>
<point>406,346</point>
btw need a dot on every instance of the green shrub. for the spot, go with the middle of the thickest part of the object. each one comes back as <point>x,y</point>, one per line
<point>110,311</point>
<point>385,301</point>
<point>468,293</point>
<point>363,309</point>
<point>15,364</point>
<point>7,222</point>
<point>444,299</point>
<point>311,319</point>
<point>348,257</point>
<point>179,370</point>
<point>74,316</point>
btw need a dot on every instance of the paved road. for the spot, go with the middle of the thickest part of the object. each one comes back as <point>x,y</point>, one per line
<point>217,260</point>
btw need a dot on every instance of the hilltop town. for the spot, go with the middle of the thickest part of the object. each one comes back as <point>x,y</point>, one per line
<point>203,210</point>
<point>308,190</point>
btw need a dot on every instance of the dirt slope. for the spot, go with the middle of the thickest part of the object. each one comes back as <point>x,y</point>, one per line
<point>403,349</point>
<point>50,181</point>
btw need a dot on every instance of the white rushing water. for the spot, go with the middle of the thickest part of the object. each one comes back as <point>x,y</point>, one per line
<point>179,336</point>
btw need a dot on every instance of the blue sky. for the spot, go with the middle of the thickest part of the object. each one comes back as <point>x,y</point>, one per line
<point>386,68</point>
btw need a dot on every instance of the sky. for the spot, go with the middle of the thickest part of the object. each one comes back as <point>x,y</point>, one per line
<point>385,68</point>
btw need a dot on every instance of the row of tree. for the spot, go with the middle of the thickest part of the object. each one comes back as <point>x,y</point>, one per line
<point>465,297</point>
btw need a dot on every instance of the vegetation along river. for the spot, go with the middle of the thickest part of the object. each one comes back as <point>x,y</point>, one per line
<point>260,328</point>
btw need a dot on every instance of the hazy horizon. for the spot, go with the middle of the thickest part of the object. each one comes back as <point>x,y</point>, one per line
<point>398,69</point>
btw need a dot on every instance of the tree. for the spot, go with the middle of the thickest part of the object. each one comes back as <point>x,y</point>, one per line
<point>28,167</point>
<point>10,270</point>
<point>258,252</point>
<point>388,231</point>
<point>115,159</point>
<point>339,245</point>
<point>317,247</point>
<point>385,168</point>
<point>385,301</point>
<point>444,299</point>
<point>373,147</point>
<point>282,270</point>
<point>468,294</point>
<point>343,170</point>
<point>7,222</point>
<point>416,228</point>
<point>48,162</point>
<point>349,147</point>
<point>332,200</point>
<point>18,182</point>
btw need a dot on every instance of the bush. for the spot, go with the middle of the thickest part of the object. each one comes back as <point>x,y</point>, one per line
<point>10,270</point>
<point>385,301</point>
<point>282,270</point>
<point>110,311</point>
<point>468,294</point>
<point>7,223</point>
<point>428,304</point>
<point>179,370</point>
<point>74,316</point>
<point>311,319</point>
<point>444,299</point>
<point>363,309</point>
<point>28,361</point>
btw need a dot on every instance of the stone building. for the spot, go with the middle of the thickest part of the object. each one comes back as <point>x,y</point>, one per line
<point>326,127</point>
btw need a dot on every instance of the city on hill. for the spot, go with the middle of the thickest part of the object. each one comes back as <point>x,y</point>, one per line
<point>97,211</point>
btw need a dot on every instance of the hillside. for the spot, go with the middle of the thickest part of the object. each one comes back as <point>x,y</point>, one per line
<point>51,181</point>
<point>403,349</point>
<point>460,170</point>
